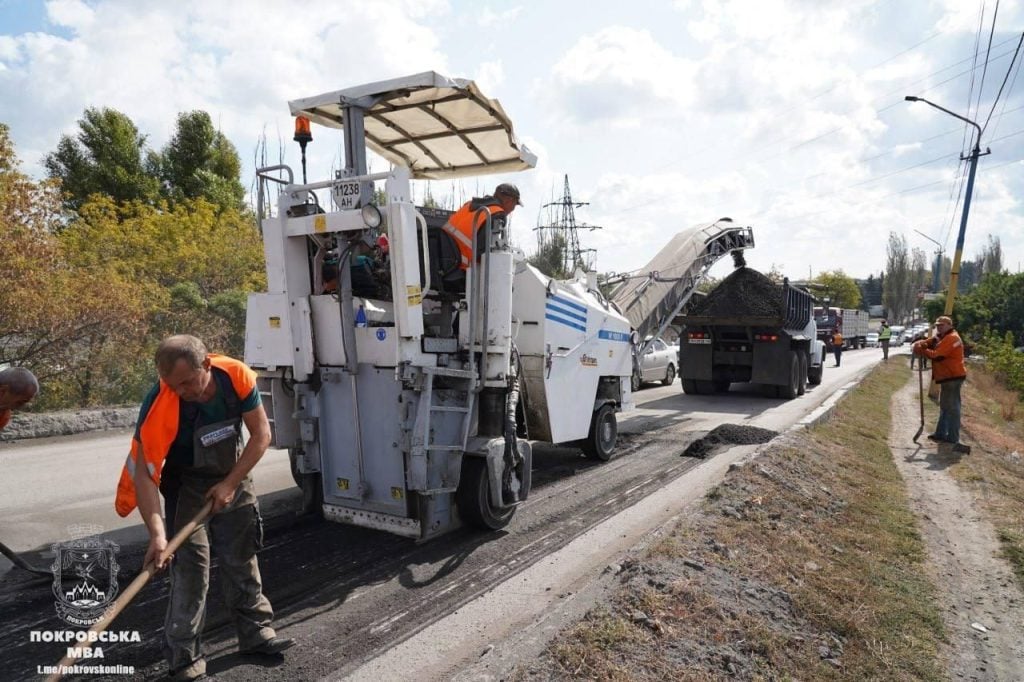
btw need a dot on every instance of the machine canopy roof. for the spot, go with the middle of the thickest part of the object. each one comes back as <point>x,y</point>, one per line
<point>438,127</point>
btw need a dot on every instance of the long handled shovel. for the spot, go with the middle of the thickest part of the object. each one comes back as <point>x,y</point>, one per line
<point>920,392</point>
<point>21,563</point>
<point>148,571</point>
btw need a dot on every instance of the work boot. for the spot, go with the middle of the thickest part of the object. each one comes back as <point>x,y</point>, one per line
<point>274,646</point>
<point>936,438</point>
<point>196,670</point>
<point>961,448</point>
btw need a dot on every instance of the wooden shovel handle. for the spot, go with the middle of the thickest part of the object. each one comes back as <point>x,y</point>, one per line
<point>148,571</point>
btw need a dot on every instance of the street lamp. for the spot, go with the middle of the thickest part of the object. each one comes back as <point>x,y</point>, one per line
<point>936,278</point>
<point>954,273</point>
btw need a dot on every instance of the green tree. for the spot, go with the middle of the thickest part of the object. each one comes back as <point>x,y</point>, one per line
<point>898,295</point>
<point>106,157</point>
<point>66,324</point>
<point>199,161</point>
<point>550,257</point>
<point>841,290</point>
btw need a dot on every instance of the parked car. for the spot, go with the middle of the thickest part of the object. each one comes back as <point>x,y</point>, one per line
<point>872,340</point>
<point>658,363</point>
<point>897,335</point>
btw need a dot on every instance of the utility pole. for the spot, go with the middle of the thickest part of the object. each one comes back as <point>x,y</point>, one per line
<point>937,270</point>
<point>954,274</point>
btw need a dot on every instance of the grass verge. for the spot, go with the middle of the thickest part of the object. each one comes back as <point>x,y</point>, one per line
<point>803,564</point>
<point>993,421</point>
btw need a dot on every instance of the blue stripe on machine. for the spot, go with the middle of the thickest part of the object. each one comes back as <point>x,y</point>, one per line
<point>552,308</point>
<point>613,336</point>
<point>567,323</point>
<point>571,303</point>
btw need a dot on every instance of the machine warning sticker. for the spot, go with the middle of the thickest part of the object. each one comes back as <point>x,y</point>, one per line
<point>397,493</point>
<point>588,361</point>
<point>382,334</point>
<point>414,295</point>
<point>320,223</point>
<point>275,323</point>
<point>342,484</point>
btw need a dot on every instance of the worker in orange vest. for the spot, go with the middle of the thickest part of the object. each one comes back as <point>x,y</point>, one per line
<point>946,351</point>
<point>188,446</point>
<point>461,225</point>
<point>18,387</point>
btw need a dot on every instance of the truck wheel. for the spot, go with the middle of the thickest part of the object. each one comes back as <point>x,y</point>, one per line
<point>814,373</point>
<point>802,385</point>
<point>670,375</point>
<point>722,386</point>
<point>789,391</point>
<point>689,387</point>
<point>604,432</point>
<point>473,497</point>
<point>705,387</point>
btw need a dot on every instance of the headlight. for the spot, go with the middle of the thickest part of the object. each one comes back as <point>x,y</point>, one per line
<point>371,216</point>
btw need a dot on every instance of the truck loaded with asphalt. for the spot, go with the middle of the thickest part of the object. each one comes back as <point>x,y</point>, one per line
<point>750,329</point>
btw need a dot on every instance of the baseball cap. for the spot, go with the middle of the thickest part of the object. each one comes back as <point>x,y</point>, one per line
<point>508,190</point>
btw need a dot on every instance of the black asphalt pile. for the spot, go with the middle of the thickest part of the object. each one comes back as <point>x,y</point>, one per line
<point>744,293</point>
<point>728,434</point>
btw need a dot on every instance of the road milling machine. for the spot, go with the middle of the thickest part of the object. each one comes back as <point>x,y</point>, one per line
<point>406,388</point>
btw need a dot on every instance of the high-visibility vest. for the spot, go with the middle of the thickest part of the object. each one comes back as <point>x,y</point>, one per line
<point>947,357</point>
<point>885,334</point>
<point>460,225</point>
<point>160,427</point>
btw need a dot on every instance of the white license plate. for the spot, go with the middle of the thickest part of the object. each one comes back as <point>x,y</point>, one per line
<point>346,194</point>
<point>701,341</point>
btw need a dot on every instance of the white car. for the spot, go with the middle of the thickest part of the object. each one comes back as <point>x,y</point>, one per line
<point>872,340</point>
<point>658,363</point>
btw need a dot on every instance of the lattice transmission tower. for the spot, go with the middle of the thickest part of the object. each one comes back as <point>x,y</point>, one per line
<point>559,239</point>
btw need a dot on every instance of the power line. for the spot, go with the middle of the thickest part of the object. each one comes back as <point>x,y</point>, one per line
<point>1000,93</point>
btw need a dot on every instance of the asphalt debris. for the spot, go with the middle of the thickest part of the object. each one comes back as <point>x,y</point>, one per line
<point>727,434</point>
<point>745,292</point>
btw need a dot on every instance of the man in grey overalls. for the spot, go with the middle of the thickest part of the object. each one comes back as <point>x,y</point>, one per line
<point>206,398</point>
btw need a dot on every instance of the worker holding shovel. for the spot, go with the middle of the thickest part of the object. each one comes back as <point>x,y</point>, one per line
<point>946,351</point>
<point>188,447</point>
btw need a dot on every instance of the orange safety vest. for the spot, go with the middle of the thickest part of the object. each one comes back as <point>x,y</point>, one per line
<point>460,225</point>
<point>160,428</point>
<point>947,357</point>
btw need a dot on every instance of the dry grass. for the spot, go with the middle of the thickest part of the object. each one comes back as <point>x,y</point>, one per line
<point>993,472</point>
<point>825,554</point>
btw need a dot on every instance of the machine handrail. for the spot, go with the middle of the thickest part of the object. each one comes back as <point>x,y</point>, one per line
<point>422,222</point>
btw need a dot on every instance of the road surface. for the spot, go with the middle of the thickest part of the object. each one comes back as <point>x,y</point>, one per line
<point>347,594</point>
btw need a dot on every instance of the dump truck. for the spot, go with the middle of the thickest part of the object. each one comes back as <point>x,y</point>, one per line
<point>409,384</point>
<point>751,330</point>
<point>852,324</point>
<point>652,297</point>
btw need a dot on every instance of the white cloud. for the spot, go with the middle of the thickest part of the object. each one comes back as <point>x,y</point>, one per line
<point>621,75</point>
<point>488,18</point>
<point>70,13</point>
<point>238,61</point>
<point>490,75</point>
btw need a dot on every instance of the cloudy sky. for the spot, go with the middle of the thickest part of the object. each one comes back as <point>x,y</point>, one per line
<point>786,115</point>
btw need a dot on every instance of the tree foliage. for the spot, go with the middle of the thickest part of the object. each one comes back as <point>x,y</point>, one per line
<point>106,157</point>
<point>898,295</point>
<point>550,257</point>
<point>87,296</point>
<point>841,290</point>
<point>199,162</point>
